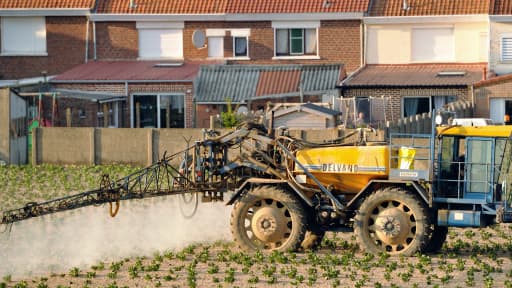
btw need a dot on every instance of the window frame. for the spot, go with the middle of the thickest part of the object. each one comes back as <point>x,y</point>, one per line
<point>44,45</point>
<point>503,36</point>
<point>243,33</point>
<point>289,26</point>
<point>161,26</point>
<point>158,108</point>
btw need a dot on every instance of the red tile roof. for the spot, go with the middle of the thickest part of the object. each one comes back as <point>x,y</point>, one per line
<point>430,7</point>
<point>277,82</point>
<point>416,75</point>
<point>46,4</point>
<point>231,6</point>
<point>130,70</point>
<point>163,6</point>
<point>494,80</point>
<point>502,7</point>
<point>296,6</point>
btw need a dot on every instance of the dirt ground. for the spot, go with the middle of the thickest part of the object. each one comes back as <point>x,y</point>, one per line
<point>470,258</point>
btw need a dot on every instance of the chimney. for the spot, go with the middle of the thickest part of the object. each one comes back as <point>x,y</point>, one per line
<point>405,7</point>
<point>484,73</point>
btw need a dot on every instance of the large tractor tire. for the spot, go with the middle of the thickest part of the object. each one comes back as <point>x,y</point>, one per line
<point>268,218</point>
<point>392,220</point>
<point>437,239</point>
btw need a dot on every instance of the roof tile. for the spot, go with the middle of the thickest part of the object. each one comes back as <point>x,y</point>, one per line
<point>430,7</point>
<point>294,6</point>
<point>162,7</point>
<point>502,7</point>
<point>416,75</point>
<point>46,4</point>
<point>130,70</point>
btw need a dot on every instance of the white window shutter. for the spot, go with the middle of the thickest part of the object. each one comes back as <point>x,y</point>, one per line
<point>160,43</point>
<point>433,45</point>
<point>216,47</point>
<point>23,35</point>
<point>506,49</point>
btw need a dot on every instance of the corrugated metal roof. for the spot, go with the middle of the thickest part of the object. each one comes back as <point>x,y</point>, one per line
<point>131,71</point>
<point>46,4</point>
<point>217,83</point>
<point>277,82</point>
<point>429,7</point>
<point>416,75</point>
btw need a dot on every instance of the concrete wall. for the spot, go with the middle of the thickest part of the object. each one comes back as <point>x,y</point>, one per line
<point>392,44</point>
<point>142,146</point>
<point>4,124</point>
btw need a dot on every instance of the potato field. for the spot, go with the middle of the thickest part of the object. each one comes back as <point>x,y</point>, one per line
<point>151,246</point>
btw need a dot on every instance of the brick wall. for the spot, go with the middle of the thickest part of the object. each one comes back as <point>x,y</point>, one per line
<point>116,41</point>
<point>65,38</point>
<point>395,95</point>
<point>91,108</point>
<point>339,41</point>
<point>485,93</point>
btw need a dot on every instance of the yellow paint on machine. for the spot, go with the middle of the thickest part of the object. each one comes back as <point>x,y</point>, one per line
<point>347,168</point>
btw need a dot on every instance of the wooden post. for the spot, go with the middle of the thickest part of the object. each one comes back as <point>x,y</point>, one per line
<point>137,115</point>
<point>105,115</point>
<point>68,117</point>
<point>34,145</point>
<point>168,116</point>
<point>212,122</point>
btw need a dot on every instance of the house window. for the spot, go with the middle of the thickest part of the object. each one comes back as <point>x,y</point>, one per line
<point>296,41</point>
<point>240,47</point>
<point>506,48</point>
<point>23,36</point>
<point>240,42</point>
<point>158,111</point>
<point>433,45</point>
<point>160,40</point>
<point>216,47</point>
<point>418,105</point>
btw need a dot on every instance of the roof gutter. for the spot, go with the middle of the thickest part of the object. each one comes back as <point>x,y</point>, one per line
<point>427,19</point>
<point>45,12</point>
<point>116,81</point>
<point>228,17</point>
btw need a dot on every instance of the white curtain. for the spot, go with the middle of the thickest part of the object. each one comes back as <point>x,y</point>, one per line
<point>282,42</point>
<point>439,101</point>
<point>310,41</point>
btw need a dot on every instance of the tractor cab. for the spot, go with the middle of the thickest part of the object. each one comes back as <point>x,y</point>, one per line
<point>470,173</point>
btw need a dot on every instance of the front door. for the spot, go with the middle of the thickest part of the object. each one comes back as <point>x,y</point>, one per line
<point>478,168</point>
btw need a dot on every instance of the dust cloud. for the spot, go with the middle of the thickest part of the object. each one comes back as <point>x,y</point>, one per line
<point>83,237</point>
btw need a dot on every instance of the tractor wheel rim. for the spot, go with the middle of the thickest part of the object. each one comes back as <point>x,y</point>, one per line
<point>270,223</point>
<point>392,225</point>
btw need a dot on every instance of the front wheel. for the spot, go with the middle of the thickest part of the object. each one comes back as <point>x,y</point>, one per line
<point>268,218</point>
<point>392,220</point>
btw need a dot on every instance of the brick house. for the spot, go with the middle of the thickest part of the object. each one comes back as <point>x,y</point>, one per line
<point>183,34</point>
<point>420,55</point>
<point>42,37</point>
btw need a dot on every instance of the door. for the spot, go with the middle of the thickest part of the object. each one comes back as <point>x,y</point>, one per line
<point>497,110</point>
<point>18,130</point>
<point>478,168</point>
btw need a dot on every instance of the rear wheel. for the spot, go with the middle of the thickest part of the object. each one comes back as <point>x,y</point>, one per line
<point>268,218</point>
<point>392,220</point>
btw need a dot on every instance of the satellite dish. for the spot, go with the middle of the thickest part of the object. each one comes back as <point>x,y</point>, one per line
<point>198,39</point>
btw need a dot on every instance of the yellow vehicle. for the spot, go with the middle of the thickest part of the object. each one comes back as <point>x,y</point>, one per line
<point>398,197</point>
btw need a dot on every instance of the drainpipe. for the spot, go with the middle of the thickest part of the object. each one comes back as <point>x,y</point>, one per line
<point>363,43</point>
<point>94,39</point>
<point>87,41</point>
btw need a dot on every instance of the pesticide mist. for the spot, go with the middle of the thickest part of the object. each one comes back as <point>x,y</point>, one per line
<point>83,237</point>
